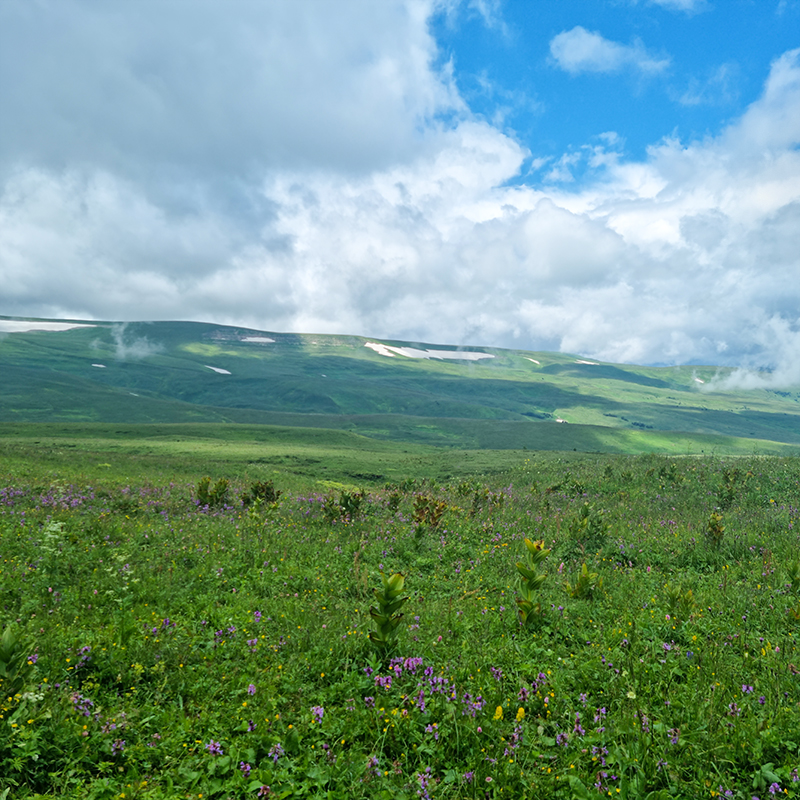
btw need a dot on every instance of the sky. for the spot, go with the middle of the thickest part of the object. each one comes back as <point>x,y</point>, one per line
<point>618,179</point>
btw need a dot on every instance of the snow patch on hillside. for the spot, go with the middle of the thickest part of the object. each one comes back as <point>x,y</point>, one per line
<point>24,326</point>
<point>411,352</point>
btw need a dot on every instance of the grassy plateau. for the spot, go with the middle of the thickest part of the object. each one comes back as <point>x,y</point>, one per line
<point>188,616</point>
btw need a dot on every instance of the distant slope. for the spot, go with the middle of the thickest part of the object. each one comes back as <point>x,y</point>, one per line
<point>169,372</point>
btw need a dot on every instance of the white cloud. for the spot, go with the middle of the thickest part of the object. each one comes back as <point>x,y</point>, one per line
<point>718,88</point>
<point>579,50</point>
<point>690,254</point>
<point>689,6</point>
<point>225,88</point>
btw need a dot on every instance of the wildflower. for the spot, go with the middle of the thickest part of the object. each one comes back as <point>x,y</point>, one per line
<point>523,694</point>
<point>746,689</point>
<point>276,751</point>
<point>775,788</point>
<point>498,714</point>
<point>214,748</point>
<point>468,776</point>
<point>117,747</point>
<point>318,712</point>
<point>264,791</point>
<point>251,689</point>
<point>520,714</point>
<point>251,726</point>
<point>257,616</point>
<point>369,702</point>
<point>497,673</point>
<point>562,739</point>
<point>424,780</point>
<point>245,768</point>
<point>762,700</point>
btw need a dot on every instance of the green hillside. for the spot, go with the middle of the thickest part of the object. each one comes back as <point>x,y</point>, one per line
<point>187,372</point>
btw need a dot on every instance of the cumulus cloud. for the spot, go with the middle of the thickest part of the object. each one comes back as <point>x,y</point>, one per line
<point>416,227</point>
<point>226,88</point>
<point>579,50</point>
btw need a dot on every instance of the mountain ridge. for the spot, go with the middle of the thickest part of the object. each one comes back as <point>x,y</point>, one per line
<point>160,372</point>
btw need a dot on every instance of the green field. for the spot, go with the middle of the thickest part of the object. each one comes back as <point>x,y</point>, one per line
<point>167,637</point>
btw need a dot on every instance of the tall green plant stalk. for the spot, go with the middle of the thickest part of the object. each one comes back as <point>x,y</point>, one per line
<point>531,580</point>
<point>385,615</point>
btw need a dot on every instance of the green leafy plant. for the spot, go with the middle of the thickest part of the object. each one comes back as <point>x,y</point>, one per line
<point>679,602</point>
<point>347,506</point>
<point>212,496</point>
<point>263,492</point>
<point>15,666</point>
<point>427,514</point>
<point>588,531</point>
<point>385,615</point>
<point>586,585</point>
<point>715,530</point>
<point>531,580</point>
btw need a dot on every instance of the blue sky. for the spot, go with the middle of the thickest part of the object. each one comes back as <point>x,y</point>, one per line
<point>702,64</point>
<point>618,179</point>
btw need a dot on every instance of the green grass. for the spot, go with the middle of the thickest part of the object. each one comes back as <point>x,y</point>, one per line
<point>156,647</point>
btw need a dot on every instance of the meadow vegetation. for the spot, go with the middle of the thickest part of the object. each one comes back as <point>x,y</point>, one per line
<point>516,625</point>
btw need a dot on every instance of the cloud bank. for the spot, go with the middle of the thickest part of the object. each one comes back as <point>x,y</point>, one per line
<point>326,176</point>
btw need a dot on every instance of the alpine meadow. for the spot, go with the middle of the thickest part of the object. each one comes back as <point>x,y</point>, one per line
<point>240,563</point>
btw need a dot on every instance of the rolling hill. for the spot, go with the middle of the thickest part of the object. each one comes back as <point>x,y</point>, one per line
<point>77,371</point>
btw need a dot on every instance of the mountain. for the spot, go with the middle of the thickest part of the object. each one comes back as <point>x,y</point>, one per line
<point>475,397</point>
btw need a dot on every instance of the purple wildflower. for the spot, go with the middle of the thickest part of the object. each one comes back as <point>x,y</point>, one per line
<point>215,748</point>
<point>276,752</point>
